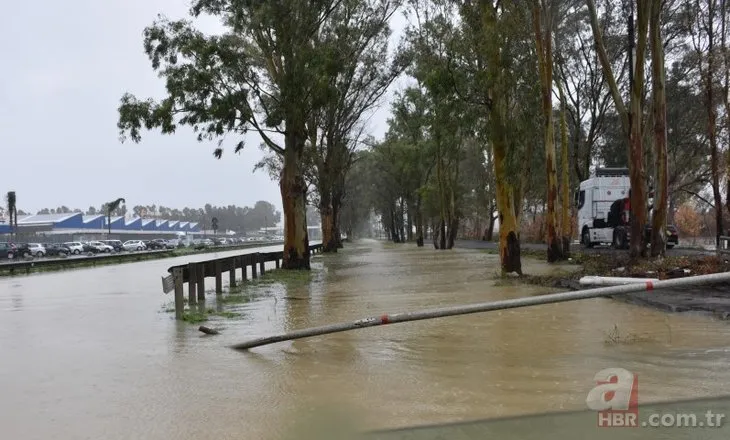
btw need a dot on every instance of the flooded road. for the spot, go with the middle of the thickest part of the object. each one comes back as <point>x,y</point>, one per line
<point>92,353</point>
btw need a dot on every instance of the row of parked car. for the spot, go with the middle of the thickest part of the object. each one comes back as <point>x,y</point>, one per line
<point>38,250</point>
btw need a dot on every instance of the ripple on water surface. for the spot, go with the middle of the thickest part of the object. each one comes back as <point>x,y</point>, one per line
<point>89,353</point>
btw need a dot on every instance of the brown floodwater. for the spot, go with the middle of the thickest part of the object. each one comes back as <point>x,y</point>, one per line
<point>92,353</point>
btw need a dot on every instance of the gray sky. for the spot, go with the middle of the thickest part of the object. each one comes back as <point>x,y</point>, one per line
<point>65,66</point>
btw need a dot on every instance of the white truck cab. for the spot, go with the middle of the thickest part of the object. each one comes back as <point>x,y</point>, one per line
<point>593,202</point>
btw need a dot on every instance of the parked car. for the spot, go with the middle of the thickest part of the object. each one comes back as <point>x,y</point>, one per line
<point>57,249</point>
<point>165,244</point>
<point>7,250</point>
<point>37,250</point>
<point>101,247</point>
<point>23,250</point>
<point>76,247</point>
<point>115,244</point>
<point>134,245</point>
<point>89,248</point>
<point>154,245</point>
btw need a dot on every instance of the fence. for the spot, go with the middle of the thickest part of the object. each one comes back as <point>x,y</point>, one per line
<point>195,274</point>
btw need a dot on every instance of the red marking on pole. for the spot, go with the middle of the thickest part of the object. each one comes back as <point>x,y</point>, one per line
<point>384,319</point>
<point>649,285</point>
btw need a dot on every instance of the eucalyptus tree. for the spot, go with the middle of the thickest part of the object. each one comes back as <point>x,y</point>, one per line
<point>436,42</point>
<point>497,76</point>
<point>542,18</point>
<point>359,74</point>
<point>706,27</point>
<point>659,116</point>
<point>410,122</point>
<point>265,73</point>
<point>631,116</point>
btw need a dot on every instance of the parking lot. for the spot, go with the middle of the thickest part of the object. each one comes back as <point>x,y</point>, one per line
<point>10,251</point>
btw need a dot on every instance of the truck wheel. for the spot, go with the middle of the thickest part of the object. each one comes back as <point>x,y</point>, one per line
<point>586,238</point>
<point>621,240</point>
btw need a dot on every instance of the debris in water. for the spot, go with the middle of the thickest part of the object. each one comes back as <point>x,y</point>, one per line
<point>208,331</point>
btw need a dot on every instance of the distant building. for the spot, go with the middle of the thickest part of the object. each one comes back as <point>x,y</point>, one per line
<point>77,223</point>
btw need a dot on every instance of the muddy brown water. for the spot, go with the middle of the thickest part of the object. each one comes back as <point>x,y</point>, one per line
<point>92,353</point>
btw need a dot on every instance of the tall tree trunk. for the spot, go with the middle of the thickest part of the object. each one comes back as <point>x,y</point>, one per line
<point>442,234</point>
<point>566,226</point>
<point>542,24</point>
<point>401,225</point>
<point>294,197</point>
<point>419,222</point>
<point>409,224</point>
<point>636,152</point>
<point>661,186</point>
<point>490,228</point>
<point>509,242</point>
<point>453,230</point>
<point>393,224</point>
<point>712,121</point>
<point>508,196</point>
<point>726,91</point>
<point>631,119</point>
<point>327,217</point>
<point>336,214</point>
<point>436,233</point>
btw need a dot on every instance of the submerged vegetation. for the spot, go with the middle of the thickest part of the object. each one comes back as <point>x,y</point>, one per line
<point>231,303</point>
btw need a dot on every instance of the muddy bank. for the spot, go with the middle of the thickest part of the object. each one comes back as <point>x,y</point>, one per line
<point>708,299</point>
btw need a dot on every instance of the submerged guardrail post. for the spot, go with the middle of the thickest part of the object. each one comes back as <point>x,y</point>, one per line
<point>244,269</point>
<point>201,281</point>
<point>253,266</point>
<point>232,272</point>
<point>177,277</point>
<point>192,283</point>
<point>262,263</point>
<point>218,278</point>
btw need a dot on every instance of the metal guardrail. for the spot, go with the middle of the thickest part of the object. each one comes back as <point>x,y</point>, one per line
<point>195,274</point>
<point>27,265</point>
<point>30,264</point>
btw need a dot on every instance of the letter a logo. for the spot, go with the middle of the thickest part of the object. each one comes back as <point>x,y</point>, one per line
<point>617,391</point>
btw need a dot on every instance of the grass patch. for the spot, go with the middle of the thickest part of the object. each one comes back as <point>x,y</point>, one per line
<point>615,337</point>
<point>194,317</point>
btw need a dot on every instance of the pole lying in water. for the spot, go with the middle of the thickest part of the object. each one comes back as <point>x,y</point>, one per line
<point>486,307</point>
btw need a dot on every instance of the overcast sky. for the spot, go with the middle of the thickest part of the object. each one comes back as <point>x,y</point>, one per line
<point>65,66</point>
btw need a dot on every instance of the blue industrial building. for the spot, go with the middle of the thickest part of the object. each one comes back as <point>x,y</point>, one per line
<point>78,223</point>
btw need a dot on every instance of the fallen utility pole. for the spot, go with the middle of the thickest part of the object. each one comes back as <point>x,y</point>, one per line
<point>487,307</point>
